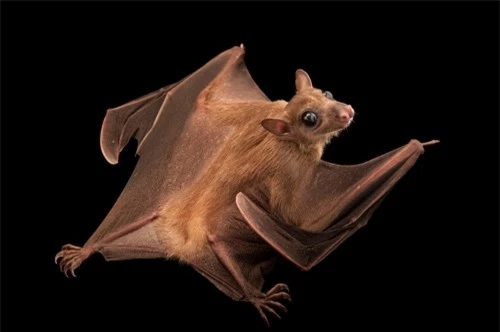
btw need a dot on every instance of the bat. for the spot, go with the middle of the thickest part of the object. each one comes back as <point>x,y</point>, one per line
<point>228,181</point>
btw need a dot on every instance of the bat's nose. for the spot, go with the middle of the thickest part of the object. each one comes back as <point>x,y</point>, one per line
<point>346,113</point>
<point>349,110</point>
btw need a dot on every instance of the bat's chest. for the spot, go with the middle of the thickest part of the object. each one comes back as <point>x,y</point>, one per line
<point>208,205</point>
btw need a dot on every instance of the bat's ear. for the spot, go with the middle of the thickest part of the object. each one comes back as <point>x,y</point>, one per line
<point>302,80</point>
<point>277,127</point>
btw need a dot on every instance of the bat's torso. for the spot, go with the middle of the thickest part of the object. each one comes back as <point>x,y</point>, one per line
<point>247,158</point>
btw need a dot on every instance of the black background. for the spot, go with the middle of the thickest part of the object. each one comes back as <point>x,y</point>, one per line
<point>427,259</point>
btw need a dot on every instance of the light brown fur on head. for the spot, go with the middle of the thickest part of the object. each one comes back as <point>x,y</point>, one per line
<point>330,116</point>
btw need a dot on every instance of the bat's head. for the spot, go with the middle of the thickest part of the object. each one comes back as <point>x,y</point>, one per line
<point>312,116</point>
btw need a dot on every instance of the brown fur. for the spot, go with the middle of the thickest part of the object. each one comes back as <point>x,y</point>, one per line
<point>252,155</point>
<point>224,169</point>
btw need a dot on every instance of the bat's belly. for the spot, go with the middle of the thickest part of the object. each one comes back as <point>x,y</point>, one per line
<point>185,224</point>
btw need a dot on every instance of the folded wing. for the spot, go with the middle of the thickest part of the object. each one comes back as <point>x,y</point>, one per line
<point>340,200</point>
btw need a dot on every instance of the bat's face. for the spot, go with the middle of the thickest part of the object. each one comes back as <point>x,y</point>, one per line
<point>312,116</point>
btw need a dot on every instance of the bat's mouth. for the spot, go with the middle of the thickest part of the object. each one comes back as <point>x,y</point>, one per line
<point>343,123</point>
<point>336,126</point>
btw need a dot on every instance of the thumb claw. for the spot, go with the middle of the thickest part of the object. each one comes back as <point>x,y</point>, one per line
<point>434,141</point>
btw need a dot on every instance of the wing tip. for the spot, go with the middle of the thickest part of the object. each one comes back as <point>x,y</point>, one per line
<point>110,156</point>
<point>238,50</point>
<point>107,148</point>
<point>110,159</point>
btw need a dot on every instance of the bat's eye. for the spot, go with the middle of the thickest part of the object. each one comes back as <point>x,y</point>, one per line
<point>309,118</point>
<point>328,95</point>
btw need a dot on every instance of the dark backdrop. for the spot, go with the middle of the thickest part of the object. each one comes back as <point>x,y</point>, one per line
<point>428,257</point>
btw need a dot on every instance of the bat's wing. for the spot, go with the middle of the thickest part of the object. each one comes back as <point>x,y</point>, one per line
<point>340,199</point>
<point>177,138</point>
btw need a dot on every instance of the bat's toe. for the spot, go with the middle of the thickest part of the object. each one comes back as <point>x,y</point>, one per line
<point>270,304</point>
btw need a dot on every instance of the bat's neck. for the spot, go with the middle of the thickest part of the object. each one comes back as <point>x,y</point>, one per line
<point>311,152</point>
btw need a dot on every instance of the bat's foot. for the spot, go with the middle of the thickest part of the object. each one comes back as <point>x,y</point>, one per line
<point>71,257</point>
<point>270,304</point>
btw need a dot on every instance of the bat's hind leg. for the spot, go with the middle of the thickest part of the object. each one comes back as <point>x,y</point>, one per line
<point>268,303</point>
<point>72,257</point>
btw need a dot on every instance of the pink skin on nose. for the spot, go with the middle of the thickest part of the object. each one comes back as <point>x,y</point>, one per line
<point>346,114</point>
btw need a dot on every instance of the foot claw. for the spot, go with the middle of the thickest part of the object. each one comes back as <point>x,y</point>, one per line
<point>280,296</point>
<point>271,311</point>
<point>263,316</point>
<point>70,257</point>
<point>268,304</point>
<point>278,288</point>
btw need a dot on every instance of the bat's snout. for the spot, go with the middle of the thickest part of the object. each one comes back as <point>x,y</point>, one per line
<point>345,114</point>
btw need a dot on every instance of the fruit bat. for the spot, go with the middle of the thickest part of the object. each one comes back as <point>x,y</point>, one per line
<point>228,181</point>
